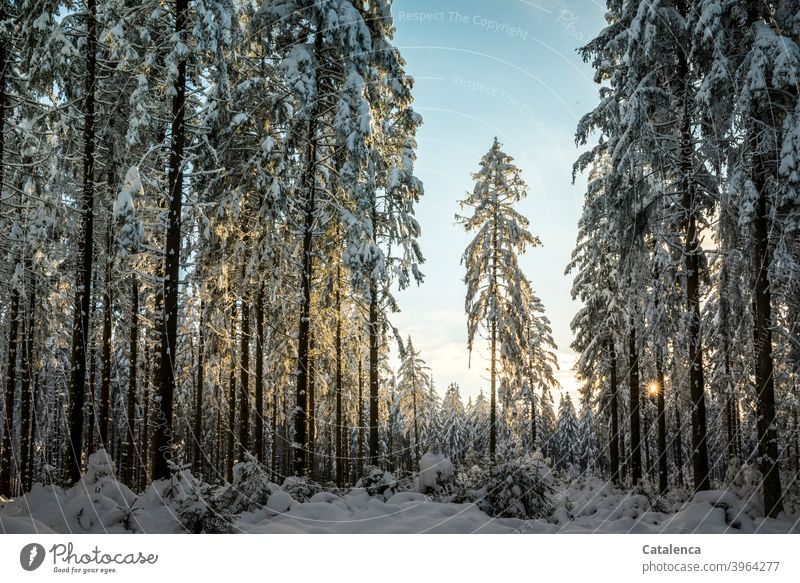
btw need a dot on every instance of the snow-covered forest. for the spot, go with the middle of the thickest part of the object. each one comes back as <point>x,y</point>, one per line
<point>208,214</point>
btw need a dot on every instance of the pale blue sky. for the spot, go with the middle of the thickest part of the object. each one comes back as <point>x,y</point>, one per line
<point>505,68</point>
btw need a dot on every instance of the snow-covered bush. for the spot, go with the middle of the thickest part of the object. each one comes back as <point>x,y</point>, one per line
<point>195,507</point>
<point>300,489</point>
<point>436,476</point>
<point>745,480</point>
<point>98,502</point>
<point>250,490</point>
<point>377,482</point>
<point>520,488</point>
<point>470,485</point>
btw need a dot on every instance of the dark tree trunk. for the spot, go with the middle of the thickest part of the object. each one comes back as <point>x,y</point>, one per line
<point>678,443</point>
<point>347,458</point>
<point>92,425</point>
<point>765,380</point>
<point>648,461</point>
<point>360,460</point>
<point>83,284</point>
<point>274,443</point>
<point>301,421</point>
<point>340,476</point>
<point>26,395</point>
<point>730,405</point>
<point>162,454</point>
<point>309,182</point>
<point>493,345</point>
<point>416,424</point>
<point>613,441</point>
<point>635,399</point>
<point>11,385</point>
<point>216,462</point>
<point>623,457</point>
<point>231,433</point>
<point>374,339</point>
<point>128,460</point>
<point>11,365</point>
<point>692,270</point>
<point>796,442</point>
<point>258,420</point>
<point>493,398</point>
<point>662,428</point>
<point>244,382</point>
<point>312,410</point>
<point>144,434</point>
<point>329,459</point>
<point>197,428</point>
<point>533,419</point>
<point>105,381</point>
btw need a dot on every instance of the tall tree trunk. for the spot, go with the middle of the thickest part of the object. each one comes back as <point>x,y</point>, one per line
<point>144,433</point>
<point>244,382</point>
<point>309,182</point>
<point>231,434</point>
<point>700,468</point>
<point>360,460</point>
<point>678,442</point>
<point>662,428</point>
<point>340,476</point>
<point>197,429</point>
<point>796,442</point>
<point>26,372</point>
<point>329,458</point>
<point>648,461</point>
<point>765,380</point>
<point>737,429</point>
<point>172,261</point>
<point>11,365</point>
<point>493,398</point>
<point>218,450</point>
<point>613,441</point>
<point>128,461</point>
<point>730,421</point>
<point>347,458</point>
<point>312,410</point>
<point>493,345</point>
<point>623,457</point>
<point>533,419</point>
<point>300,417</point>
<point>635,399</point>
<point>92,425</point>
<point>11,385</point>
<point>105,381</point>
<point>258,420</point>
<point>416,423</point>
<point>83,284</point>
<point>274,434</point>
<point>374,338</point>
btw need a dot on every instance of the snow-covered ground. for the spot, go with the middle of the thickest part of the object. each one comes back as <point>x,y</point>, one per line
<point>100,504</point>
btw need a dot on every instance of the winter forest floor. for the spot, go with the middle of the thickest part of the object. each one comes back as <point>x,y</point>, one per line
<point>101,504</point>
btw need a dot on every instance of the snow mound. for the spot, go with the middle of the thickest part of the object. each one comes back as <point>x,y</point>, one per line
<point>279,502</point>
<point>435,472</point>
<point>519,496</point>
<point>301,489</point>
<point>377,482</point>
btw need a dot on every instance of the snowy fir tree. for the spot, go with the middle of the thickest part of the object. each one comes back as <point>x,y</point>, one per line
<point>414,388</point>
<point>498,294</point>
<point>566,441</point>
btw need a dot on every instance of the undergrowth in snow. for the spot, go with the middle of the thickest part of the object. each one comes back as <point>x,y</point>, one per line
<point>517,496</point>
